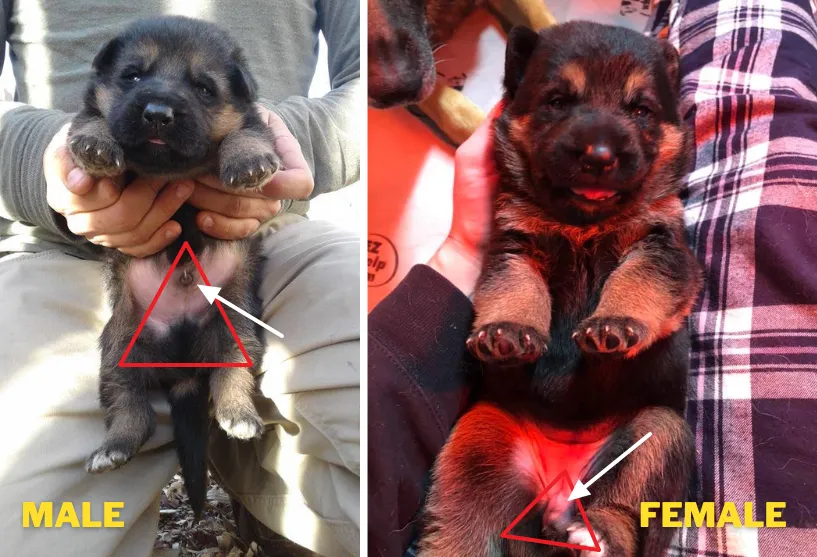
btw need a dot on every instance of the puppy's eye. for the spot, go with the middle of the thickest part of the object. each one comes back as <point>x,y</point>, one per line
<point>559,101</point>
<point>640,110</point>
<point>132,76</point>
<point>204,90</point>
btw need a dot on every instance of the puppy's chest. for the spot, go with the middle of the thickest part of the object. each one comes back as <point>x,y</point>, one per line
<point>577,272</point>
<point>180,300</point>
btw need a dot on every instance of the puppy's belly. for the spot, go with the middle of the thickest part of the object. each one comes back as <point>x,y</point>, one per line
<point>542,453</point>
<point>181,300</point>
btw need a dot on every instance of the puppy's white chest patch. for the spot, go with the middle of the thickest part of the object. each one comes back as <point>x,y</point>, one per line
<point>181,298</point>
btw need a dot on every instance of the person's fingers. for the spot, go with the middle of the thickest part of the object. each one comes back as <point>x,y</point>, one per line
<point>476,150</point>
<point>292,183</point>
<point>226,228</point>
<point>295,181</point>
<point>162,238</point>
<point>167,203</point>
<point>132,206</point>
<point>104,193</point>
<point>69,190</point>
<point>74,178</point>
<point>233,205</point>
<point>212,181</point>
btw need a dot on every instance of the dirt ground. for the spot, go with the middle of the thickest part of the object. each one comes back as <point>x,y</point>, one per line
<point>213,536</point>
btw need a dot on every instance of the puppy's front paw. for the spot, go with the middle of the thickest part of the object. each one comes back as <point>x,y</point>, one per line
<point>250,170</point>
<point>506,342</point>
<point>611,335</point>
<point>577,534</point>
<point>97,156</point>
<point>241,423</point>
<point>107,458</point>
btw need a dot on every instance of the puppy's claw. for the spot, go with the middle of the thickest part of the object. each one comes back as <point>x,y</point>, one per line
<point>506,342</point>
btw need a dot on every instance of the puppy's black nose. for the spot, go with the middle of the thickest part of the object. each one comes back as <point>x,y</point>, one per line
<point>158,114</point>
<point>598,158</point>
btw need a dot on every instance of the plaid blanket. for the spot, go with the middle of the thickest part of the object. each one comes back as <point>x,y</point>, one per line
<point>750,76</point>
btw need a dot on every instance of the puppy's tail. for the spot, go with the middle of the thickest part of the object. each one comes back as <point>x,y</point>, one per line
<point>189,410</point>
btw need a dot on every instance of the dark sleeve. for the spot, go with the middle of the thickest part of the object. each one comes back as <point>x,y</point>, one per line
<point>417,390</point>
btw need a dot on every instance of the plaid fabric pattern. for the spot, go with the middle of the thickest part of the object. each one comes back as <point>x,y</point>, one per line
<point>750,76</point>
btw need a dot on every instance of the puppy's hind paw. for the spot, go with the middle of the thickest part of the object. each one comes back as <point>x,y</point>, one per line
<point>577,534</point>
<point>105,459</point>
<point>240,424</point>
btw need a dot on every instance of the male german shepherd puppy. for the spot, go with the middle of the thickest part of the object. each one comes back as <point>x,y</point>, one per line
<point>588,275</point>
<point>173,97</point>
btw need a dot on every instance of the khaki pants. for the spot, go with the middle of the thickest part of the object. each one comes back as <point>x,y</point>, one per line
<point>301,479</point>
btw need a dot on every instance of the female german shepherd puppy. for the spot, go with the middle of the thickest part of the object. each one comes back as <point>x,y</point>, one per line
<point>588,275</point>
<point>172,97</point>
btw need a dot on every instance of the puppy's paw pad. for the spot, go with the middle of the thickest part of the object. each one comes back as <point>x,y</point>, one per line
<point>106,459</point>
<point>578,534</point>
<point>241,425</point>
<point>250,171</point>
<point>611,335</point>
<point>506,342</point>
<point>97,157</point>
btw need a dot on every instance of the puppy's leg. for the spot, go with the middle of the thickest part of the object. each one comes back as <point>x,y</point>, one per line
<point>657,471</point>
<point>478,490</point>
<point>455,114</point>
<point>129,418</point>
<point>232,389</point>
<point>247,157</point>
<point>645,299</point>
<point>513,308</point>
<point>93,148</point>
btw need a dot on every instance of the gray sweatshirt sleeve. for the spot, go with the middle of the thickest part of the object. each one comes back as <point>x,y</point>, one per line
<point>24,134</point>
<point>326,127</point>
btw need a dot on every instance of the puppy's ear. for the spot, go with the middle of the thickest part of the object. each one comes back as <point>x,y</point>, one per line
<point>242,82</point>
<point>106,57</point>
<point>521,43</point>
<point>673,64</point>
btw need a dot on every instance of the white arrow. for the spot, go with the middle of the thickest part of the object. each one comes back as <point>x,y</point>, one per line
<point>580,489</point>
<point>211,293</point>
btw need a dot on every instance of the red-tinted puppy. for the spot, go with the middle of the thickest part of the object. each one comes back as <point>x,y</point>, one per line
<point>581,305</point>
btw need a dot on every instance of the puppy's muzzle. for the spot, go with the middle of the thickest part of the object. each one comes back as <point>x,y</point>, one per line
<point>598,159</point>
<point>399,74</point>
<point>158,114</point>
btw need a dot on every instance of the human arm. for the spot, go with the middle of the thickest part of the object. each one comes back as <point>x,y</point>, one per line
<point>417,390</point>
<point>327,128</point>
<point>418,365</point>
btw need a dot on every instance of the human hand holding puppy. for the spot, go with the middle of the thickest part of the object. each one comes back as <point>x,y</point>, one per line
<point>228,215</point>
<point>459,258</point>
<point>137,220</point>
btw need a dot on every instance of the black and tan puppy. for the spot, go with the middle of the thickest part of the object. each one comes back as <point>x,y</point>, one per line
<point>172,97</point>
<point>581,306</point>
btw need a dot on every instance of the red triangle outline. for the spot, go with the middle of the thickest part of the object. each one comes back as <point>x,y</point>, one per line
<point>507,532</point>
<point>122,363</point>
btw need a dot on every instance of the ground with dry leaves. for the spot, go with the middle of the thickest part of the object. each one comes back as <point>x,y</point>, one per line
<point>213,536</point>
